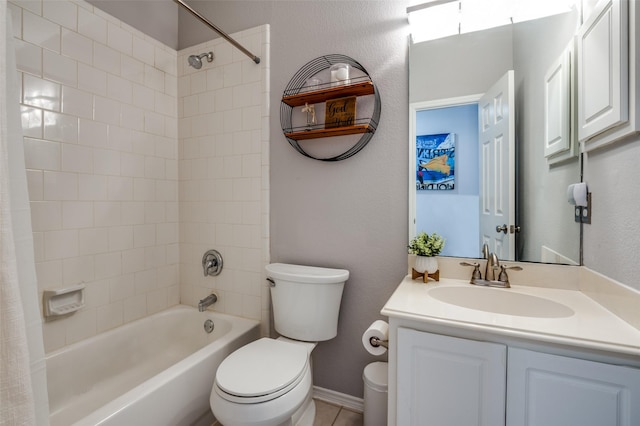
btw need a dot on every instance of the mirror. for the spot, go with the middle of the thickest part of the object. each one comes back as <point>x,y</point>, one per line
<point>447,78</point>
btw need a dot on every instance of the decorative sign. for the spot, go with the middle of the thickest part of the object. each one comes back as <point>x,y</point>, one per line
<point>435,161</point>
<point>340,112</point>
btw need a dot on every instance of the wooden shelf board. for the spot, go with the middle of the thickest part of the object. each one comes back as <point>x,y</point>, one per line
<point>357,89</point>
<point>325,133</point>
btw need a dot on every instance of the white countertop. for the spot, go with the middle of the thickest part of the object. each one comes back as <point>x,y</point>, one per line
<point>590,327</point>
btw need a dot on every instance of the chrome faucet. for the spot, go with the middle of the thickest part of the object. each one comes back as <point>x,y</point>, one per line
<point>207,301</point>
<point>493,264</point>
<point>491,276</point>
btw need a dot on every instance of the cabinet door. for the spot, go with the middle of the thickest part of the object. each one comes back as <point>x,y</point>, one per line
<point>557,105</point>
<point>603,70</point>
<point>551,390</point>
<point>446,381</point>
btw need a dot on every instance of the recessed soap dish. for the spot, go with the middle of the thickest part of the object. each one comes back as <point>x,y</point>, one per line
<point>63,301</point>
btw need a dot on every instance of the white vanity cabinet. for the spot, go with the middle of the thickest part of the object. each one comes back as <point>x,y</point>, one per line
<point>443,380</point>
<point>449,381</point>
<point>551,390</point>
<point>607,89</point>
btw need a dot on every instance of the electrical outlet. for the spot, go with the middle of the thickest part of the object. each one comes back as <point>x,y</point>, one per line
<point>583,214</point>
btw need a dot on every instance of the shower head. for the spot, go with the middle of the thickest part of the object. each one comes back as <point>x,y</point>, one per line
<point>196,60</point>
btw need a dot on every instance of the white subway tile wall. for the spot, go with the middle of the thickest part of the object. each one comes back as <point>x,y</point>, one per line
<point>114,203</point>
<point>223,173</point>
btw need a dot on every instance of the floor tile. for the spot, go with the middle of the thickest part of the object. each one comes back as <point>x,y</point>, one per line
<point>347,417</point>
<point>326,413</point>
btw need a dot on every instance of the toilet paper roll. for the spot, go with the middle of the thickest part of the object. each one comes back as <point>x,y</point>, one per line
<point>379,329</point>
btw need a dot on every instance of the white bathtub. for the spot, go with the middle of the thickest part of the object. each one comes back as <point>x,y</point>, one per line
<point>155,371</point>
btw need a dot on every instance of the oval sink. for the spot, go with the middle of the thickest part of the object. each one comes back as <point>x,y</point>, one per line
<point>501,301</point>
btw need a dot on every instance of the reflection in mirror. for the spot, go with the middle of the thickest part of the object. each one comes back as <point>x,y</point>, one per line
<point>455,206</point>
<point>447,77</point>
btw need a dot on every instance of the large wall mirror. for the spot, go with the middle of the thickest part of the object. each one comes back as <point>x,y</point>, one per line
<point>449,81</point>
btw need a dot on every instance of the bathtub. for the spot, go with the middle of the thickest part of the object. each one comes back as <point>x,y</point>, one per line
<point>154,371</point>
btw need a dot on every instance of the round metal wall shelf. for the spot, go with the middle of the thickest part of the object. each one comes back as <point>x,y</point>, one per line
<point>294,94</point>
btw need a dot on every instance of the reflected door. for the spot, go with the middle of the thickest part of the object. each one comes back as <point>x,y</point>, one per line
<point>497,168</point>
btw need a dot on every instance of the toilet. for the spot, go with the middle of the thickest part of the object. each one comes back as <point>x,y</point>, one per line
<point>268,382</point>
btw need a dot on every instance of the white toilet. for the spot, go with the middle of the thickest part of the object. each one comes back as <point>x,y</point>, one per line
<point>268,382</point>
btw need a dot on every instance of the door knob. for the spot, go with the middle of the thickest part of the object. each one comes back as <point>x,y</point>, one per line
<point>514,229</point>
<point>503,228</point>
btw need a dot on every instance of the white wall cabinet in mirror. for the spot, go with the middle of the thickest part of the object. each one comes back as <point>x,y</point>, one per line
<point>606,68</point>
<point>557,104</point>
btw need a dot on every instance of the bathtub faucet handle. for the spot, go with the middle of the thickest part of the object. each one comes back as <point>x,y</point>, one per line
<point>212,263</point>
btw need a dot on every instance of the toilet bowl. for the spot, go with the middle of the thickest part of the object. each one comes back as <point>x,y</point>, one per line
<point>269,382</point>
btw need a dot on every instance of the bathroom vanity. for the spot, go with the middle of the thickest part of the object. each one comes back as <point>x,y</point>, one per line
<point>528,355</point>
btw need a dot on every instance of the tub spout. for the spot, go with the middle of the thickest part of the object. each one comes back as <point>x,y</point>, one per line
<point>207,301</point>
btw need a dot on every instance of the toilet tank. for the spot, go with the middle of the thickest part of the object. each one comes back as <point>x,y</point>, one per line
<point>306,300</point>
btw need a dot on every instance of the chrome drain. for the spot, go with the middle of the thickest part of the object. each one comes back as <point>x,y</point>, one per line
<point>208,326</point>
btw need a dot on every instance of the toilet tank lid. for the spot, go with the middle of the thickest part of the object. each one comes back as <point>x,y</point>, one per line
<point>306,274</point>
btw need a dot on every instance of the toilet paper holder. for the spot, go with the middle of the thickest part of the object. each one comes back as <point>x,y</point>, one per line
<point>377,342</point>
<point>579,196</point>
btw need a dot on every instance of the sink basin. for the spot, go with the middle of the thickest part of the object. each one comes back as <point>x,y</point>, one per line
<point>501,301</point>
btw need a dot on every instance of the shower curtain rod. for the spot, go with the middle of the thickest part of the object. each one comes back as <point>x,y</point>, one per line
<point>224,35</point>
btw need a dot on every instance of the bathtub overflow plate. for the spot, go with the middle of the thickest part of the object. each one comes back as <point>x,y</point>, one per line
<point>208,326</point>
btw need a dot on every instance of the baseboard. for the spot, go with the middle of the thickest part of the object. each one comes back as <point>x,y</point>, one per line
<point>337,398</point>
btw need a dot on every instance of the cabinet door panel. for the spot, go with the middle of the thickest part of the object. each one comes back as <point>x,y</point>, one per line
<point>550,390</point>
<point>557,100</point>
<point>603,86</point>
<point>449,381</point>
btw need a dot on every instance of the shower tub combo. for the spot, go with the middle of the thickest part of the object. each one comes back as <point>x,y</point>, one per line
<point>158,370</point>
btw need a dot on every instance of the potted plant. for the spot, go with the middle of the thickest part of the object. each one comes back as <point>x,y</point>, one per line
<point>426,247</point>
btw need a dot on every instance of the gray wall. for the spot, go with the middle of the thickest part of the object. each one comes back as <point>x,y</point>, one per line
<point>350,214</point>
<point>353,213</point>
<point>611,243</point>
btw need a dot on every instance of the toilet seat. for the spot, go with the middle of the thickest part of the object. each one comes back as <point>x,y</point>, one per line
<point>261,371</point>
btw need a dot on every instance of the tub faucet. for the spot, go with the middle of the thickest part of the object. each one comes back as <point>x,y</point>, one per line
<point>207,301</point>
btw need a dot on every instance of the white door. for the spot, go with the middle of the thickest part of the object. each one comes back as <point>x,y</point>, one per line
<point>497,168</point>
<point>551,390</point>
<point>447,381</point>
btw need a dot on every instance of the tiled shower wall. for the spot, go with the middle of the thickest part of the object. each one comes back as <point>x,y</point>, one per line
<point>223,171</point>
<point>99,106</point>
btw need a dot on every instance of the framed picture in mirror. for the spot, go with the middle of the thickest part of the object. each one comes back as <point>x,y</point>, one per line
<point>435,161</point>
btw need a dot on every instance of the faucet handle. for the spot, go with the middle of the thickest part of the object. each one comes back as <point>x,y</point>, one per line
<point>503,272</point>
<point>475,275</point>
<point>212,263</point>
<point>485,251</point>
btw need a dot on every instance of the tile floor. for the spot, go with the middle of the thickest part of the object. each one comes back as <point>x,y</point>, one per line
<point>328,414</point>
